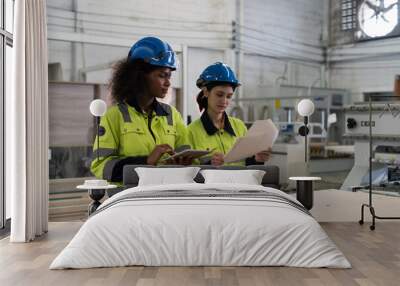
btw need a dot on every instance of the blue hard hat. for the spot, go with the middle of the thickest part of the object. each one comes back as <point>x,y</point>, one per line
<point>217,73</point>
<point>154,52</point>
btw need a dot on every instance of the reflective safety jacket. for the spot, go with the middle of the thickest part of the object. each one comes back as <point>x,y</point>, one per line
<point>203,135</point>
<point>128,136</point>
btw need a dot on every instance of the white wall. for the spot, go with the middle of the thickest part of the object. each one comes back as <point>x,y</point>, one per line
<point>103,30</point>
<point>280,38</point>
<point>361,67</point>
<point>272,35</point>
<point>279,35</point>
<point>284,29</point>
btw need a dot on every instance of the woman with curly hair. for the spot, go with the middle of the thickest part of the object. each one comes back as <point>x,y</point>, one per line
<point>138,129</point>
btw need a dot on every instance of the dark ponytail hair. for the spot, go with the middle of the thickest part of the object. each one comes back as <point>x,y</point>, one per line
<point>202,101</point>
<point>128,79</point>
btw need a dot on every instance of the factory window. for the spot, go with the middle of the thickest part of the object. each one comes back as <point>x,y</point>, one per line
<point>6,44</point>
<point>348,15</point>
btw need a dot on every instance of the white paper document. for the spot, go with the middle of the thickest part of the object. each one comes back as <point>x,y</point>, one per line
<point>260,137</point>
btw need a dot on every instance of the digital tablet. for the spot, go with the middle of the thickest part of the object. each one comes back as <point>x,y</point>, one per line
<point>188,153</point>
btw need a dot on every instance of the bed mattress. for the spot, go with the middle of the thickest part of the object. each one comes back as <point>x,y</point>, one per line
<point>201,225</point>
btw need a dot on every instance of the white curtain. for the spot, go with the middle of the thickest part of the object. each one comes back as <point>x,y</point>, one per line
<point>27,124</point>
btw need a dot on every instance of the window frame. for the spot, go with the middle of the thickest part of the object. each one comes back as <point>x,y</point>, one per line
<point>348,15</point>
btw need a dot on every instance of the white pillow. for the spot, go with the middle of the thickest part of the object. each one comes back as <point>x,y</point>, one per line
<point>249,177</point>
<point>166,176</point>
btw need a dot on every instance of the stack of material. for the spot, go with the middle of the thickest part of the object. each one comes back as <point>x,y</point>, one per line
<point>66,203</point>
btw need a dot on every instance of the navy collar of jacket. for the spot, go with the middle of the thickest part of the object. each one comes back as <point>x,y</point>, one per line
<point>156,106</point>
<point>210,127</point>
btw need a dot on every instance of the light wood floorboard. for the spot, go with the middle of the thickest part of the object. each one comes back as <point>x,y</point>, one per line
<point>375,257</point>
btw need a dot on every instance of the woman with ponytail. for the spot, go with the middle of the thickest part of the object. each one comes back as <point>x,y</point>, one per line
<point>215,130</point>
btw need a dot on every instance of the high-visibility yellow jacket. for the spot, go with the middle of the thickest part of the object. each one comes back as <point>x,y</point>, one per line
<point>203,135</point>
<point>128,136</point>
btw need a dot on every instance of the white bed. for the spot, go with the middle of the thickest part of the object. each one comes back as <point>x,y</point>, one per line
<point>264,229</point>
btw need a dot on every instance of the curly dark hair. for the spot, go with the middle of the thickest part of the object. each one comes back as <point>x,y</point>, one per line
<point>202,101</point>
<point>128,79</point>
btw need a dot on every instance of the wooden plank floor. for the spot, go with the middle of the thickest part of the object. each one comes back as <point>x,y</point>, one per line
<point>375,257</point>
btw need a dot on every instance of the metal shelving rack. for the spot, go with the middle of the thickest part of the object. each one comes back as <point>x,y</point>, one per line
<point>370,204</point>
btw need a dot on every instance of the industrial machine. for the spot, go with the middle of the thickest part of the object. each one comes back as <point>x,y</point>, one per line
<point>288,152</point>
<point>385,143</point>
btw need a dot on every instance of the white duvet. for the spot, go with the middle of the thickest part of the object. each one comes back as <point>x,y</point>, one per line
<point>200,231</point>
